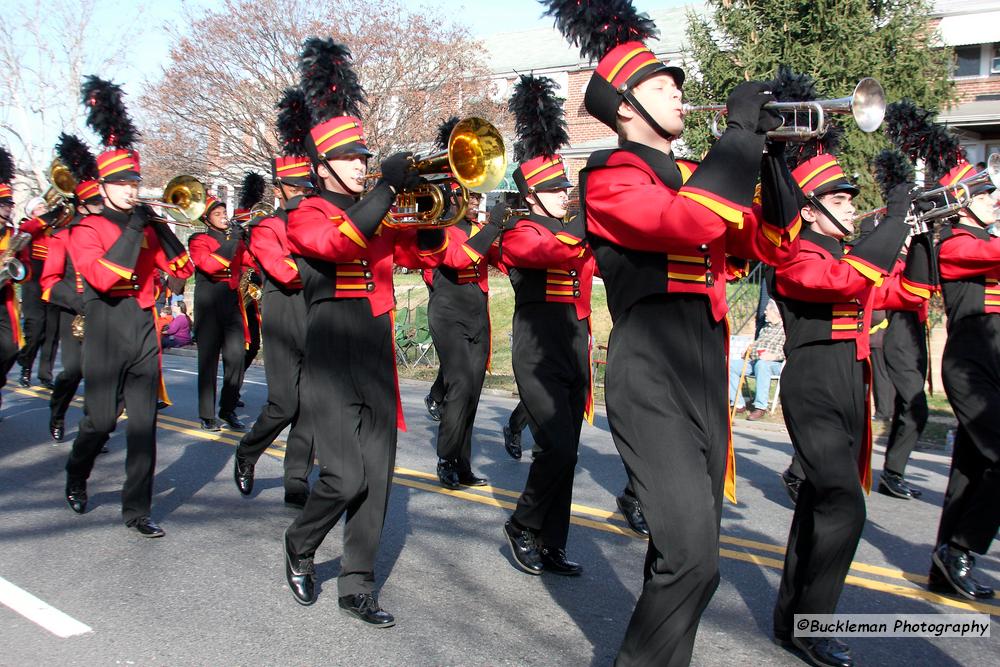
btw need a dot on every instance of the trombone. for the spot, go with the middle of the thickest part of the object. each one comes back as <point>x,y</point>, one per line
<point>866,104</point>
<point>183,200</point>
<point>475,159</point>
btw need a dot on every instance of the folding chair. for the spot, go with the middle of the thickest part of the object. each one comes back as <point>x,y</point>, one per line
<point>401,337</point>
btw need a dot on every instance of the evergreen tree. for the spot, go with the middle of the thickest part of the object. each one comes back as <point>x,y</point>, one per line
<point>835,41</point>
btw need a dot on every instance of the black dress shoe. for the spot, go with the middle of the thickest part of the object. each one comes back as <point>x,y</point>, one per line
<point>792,485</point>
<point>300,575</point>
<point>243,475</point>
<point>433,408</point>
<point>240,404</point>
<point>632,511</point>
<point>824,651</point>
<point>469,479</point>
<point>448,474</point>
<point>48,384</point>
<point>162,405</point>
<point>146,527</point>
<point>210,425</point>
<point>938,583</point>
<point>524,548</point>
<point>76,496</point>
<point>512,443</point>
<point>233,422</point>
<point>296,500</point>
<point>364,606</point>
<point>554,561</point>
<point>25,379</point>
<point>893,485</point>
<point>57,427</point>
<point>956,566</point>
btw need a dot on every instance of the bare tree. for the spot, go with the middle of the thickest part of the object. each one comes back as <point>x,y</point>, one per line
<point>212,112</point>
<point>45,50</point>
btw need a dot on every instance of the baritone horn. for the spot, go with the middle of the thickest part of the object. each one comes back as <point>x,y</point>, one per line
<point>866,104</point>
<point>62,184</point>
<point>475,159</point>
<point>183,200</point>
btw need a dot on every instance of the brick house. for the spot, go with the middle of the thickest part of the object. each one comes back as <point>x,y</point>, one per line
<point>971,28</point>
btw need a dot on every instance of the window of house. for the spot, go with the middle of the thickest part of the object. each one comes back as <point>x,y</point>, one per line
<point>221,192</point>
<point>995,60</point>
<point>966,61</point>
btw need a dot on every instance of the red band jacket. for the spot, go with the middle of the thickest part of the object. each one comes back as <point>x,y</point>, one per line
<point>8,299</point>
<point>549,262</point>
<point>219,257</point>
<point>348,254</point>
<point>657,225</point>
<point>118,255</point>
<point>470,249</point>
<point>61,284</point>
<point>969,261</point>
<point>269,246</point>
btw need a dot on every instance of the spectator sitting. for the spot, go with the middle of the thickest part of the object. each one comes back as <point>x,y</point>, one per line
<point>165,319</point>
<point>178,332</point>
<point>766,358</point>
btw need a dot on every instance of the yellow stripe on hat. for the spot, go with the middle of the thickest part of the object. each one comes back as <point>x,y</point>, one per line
<point>336,130</point>
<point>621,63</point>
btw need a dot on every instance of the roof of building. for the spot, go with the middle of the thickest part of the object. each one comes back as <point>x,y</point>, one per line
<point>546,48</point>
<point>950,7</point>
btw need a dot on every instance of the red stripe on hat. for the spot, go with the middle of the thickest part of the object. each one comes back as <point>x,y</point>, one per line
<point>337,132</point>
<point>541,169</point>
<point>86,190</point>
<point>957,173</point>
<point>5,191</point>
<point>117,160</point>
<point>624,61</point>
<point>292,166</point>
<point>816,171</point>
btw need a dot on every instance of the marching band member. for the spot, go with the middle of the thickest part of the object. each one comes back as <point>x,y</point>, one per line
<point>41,321</point>
<point>660,231</point>
<point>11,338</point>
<point>969,261</point>
<point>349,393</point>
<point>826,299</point>
<point>459,316</point>
<point>551,268</point>
<point>284,322</point>
<point>62,284</point>
<point>118,253</point>
<point>251,193</point>
<point>221,327</point>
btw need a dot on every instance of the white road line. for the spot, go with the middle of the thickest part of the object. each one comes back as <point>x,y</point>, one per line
<point>39,612</point>
<point>218,377</point>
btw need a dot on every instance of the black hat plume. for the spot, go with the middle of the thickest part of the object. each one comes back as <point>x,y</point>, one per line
<point>77,157</point>
<point>106,112</point>
<point>597,26</point>
<point>444,132</point>
<point>329,81</point>
<point>538,118</point>
<point>252,190</point>
<point>293,122</point>
<point>913,132</point>
<point>6,166</point>
<point>891,169</point>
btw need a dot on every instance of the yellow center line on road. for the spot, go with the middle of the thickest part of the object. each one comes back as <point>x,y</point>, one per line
<point>486,495</point>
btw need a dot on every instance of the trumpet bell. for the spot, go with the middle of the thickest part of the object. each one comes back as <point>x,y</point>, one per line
<point>187,198</point>
<point>477,155</point>
<point>62,178</point>
<point>867,104</point>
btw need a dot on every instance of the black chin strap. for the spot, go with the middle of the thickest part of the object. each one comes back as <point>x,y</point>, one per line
<point>112,204</point>
<point>634,103</point>
<point>326,163</point>
<point>542,206</point>
<point>816,204</point>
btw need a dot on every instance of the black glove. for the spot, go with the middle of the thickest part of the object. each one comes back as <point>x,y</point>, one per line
<point>399,172</point>
<point>768,120</point>
<point>897,204</point>
<point>743,106</point>
<point>51,217</point>
<point>499,217</point>
<point>141,217</point>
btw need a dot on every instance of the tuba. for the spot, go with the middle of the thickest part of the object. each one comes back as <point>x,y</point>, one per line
<point>475,160</point>
<point>866,104</point>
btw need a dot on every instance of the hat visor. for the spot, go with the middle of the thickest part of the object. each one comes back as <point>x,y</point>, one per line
<point>555,184</point>
<point>349,150</point>
<point>295,182</point>
<point>838,186</point>
<point>676,72</point>
<point>123,177</point>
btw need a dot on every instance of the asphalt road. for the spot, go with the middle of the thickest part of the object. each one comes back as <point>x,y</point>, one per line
<point>212,592</point>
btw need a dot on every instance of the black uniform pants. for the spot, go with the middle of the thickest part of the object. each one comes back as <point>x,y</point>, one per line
<point>462,339</point>
<point>348,407</point>
<point>122,371</point>
<point>34,312</point>
<point>72,368</point>
<point>905,349</point>
<point>284,333</point>
<point>667,399</point>
<point>8,344</point>
<point>254,325</point>
<point>219,327</point>
<point>823,398</point>
<point>970,369</point>
<point>883,392</point>
<point>551,369</point>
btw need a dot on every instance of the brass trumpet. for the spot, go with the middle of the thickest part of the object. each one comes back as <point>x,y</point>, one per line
<point>866,104</point>
<point>183,200</point>
<point>11,268</point>
<point>475,159</point>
